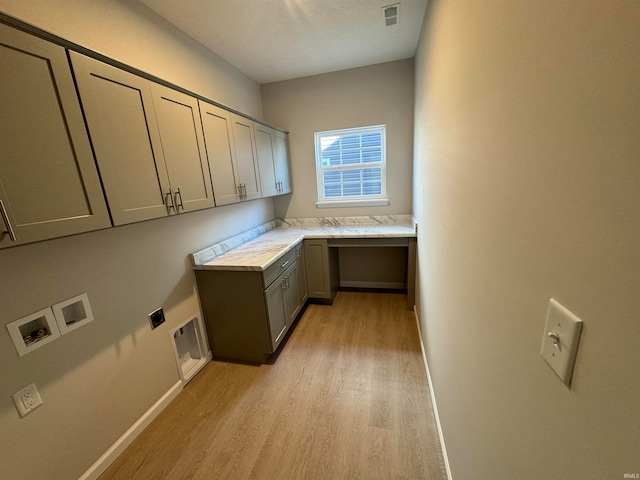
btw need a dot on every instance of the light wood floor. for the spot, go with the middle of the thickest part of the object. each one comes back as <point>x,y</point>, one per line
<point>347,399</point>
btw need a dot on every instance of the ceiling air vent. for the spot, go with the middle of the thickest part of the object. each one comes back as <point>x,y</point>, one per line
<point>391,14</point>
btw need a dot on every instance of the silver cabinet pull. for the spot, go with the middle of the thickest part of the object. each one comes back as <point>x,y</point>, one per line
<point>240,191</point>
<point>5,218</point>
<point>178,195</point>
<point>168,201</point>
<point>244,190</point>
<point>284,264</point>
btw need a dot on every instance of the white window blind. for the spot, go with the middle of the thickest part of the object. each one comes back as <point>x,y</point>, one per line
<point>350,166</point>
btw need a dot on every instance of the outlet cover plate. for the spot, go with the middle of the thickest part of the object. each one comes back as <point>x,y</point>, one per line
<point>560,352</point>
<point>27,399</point>
<point>156,318</point>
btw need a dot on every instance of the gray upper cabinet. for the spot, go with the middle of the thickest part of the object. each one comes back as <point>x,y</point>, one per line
<point>148,143</point>
<point>182,140</point>
<point>49,185</point>
<point>129,149</point>
<point>280,142</point>
<point>248,160</point>
<point>120,114</point>
<point>273,160</point>
<point>246,157</point>
<point>266,163</point>
<point>218,138</point>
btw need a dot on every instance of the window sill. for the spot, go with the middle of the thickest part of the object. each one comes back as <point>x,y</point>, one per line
<point>368,202</point>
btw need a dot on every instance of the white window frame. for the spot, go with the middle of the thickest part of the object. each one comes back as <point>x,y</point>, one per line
<point>351,201</point>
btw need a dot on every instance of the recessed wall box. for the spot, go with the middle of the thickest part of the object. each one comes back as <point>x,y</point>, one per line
<point>33,331</point>
<point>73,313</point>
<point>189,347</point>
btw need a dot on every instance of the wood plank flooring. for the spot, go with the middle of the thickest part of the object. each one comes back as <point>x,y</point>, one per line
<point>347,399</point>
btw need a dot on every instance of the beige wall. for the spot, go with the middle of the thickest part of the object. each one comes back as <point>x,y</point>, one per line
<point>379,94</point>
<point>527,186</point>
<point>98,380</point>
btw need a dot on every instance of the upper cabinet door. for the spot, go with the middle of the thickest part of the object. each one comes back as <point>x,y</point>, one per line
<point>183,147</point>
<point>246,157</point>
<point>280,142</point>
<point>218,139</point>
<point>119,111</point>
<point>49,185</point>
<point>273,160</point>
<point>266,163</point>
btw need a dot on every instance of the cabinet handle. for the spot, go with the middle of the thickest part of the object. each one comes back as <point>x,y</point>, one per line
<point>177,195</point>
<point>5,218</point>
<point>287,280</point>
<point>244,190</point>
<point>284,264</point>
<point>168,201</point>
<point>240,191</point>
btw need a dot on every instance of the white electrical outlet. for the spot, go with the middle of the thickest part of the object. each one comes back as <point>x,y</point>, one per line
<point>27,399</point>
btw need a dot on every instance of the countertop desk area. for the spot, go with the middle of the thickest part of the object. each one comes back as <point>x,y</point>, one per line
<point>258,248</point>
<point>253,286</point>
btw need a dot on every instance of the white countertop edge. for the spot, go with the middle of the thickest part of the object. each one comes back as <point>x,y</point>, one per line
<point>277,250</point>
<point>252,268</point>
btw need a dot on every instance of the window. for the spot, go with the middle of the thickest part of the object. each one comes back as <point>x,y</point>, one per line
<point>350,167</point>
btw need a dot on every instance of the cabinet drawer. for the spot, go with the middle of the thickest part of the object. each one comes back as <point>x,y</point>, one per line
<point>278,267</point>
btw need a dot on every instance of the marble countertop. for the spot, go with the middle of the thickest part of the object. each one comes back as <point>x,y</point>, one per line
<point>257,249</point>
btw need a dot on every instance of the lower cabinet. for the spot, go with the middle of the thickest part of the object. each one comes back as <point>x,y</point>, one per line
<point>302,275</point>
<point>248,313</point>
<point>283,303</point>
<point>322,270</point>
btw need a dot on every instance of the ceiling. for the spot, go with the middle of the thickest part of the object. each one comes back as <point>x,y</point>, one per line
<point>272,40</point>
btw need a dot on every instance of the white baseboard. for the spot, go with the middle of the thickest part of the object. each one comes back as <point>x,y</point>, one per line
<point>433,398</point>
<point>130,435</point>
<point>388,285</point>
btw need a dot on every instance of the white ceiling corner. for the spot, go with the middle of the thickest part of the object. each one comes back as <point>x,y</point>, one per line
<point>273,40</point>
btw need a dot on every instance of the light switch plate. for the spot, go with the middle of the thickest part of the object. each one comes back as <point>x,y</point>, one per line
<point>560,340</point>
